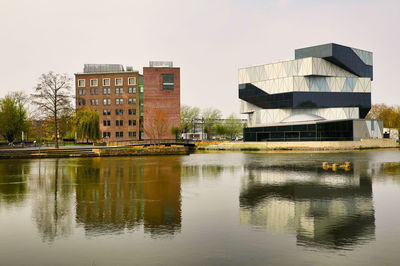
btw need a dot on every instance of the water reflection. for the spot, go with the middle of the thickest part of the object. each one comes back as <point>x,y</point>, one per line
<point>114,195</point>
<point>323,208</point>
<point>13,181</point>
<point>51,187</point>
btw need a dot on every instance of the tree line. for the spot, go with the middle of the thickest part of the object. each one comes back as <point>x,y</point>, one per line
<point>211,122</point>
<point>390,115</point>
<point>46,113</point>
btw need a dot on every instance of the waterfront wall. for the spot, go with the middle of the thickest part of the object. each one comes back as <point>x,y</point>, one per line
<point>98,152</point>
<point>304,145</point>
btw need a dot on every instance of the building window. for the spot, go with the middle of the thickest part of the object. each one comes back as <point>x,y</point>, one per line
<point>117,134</point>
<point>131,90</point>
<point>119,112</point>
<point>132,134</point>
<point>121,134</point>
<point>106,134</point>
<point>168,82</point>
<point>81,83</point>
<point>118,82</point>
<point>83,102</point>
<point>132,111</point>
<point>83,92</point>
<point>132,81</point>
<point>93,83</point>
<point>121,122</point>
<point>117,123</point>
<point>107,101</point>
<point>106,82</point>
<point>116,101</point>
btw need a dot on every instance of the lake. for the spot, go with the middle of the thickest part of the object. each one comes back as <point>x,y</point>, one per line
<point>233,208</point>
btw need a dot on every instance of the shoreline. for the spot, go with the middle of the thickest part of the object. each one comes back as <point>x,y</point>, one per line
<point>363,144</point>
<point>85,152</point>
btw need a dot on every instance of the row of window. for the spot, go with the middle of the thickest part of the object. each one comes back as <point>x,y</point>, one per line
<point>120,112</point>
<point>107,82</point>
<point>119,123</point>
<point>107,91</point>
<point>118,134</point>
<point>118,101</point>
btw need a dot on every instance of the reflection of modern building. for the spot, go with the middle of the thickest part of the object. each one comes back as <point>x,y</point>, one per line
<point>125,195</point>
<point>324,208</point>
<point>324,94</point>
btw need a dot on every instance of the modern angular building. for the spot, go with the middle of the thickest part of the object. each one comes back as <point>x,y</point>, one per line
<point>124,105</point>
<point>324,94</point>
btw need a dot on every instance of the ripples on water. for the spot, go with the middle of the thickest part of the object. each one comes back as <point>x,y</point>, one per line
<point>234,208</point>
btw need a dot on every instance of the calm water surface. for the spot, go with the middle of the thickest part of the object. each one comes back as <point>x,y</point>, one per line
<point>202,209</point>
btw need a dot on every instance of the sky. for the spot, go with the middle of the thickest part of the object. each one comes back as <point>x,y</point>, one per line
<point>208,40</point>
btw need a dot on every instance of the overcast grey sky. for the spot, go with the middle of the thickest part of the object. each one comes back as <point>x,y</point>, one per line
<point>209,40</point>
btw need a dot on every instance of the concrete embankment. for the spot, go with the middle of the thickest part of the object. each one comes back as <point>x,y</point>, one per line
<point>93,152</point>
<point>303,145</point>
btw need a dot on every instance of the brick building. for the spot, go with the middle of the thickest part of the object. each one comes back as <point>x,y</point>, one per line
<point>118,95</point>
<point>161,97</point>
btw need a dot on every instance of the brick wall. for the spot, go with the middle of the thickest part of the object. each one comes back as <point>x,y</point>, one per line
<point>157,100</point>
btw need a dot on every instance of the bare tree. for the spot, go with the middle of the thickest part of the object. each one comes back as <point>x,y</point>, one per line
<point>52,97</point>
<point>158,126</point>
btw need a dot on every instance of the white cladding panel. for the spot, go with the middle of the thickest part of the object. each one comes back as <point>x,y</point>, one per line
<point>263,117</point>
<point>300,67</point>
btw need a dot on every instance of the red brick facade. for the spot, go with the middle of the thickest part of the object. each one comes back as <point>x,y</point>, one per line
<point>159,102</point>
<point>106,99</point>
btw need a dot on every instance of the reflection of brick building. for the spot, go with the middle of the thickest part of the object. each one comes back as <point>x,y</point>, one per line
<point>114,195</point>
<point>161,99</point>
<point>124,99</point>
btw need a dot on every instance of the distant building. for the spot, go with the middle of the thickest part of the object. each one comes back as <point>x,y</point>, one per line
<point>119,96</point>
<point>322,95</point>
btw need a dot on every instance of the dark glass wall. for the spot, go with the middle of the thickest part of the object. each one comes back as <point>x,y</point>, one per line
<point>323,131</point>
